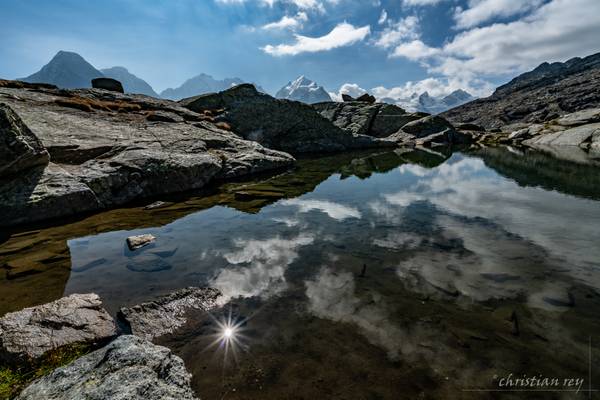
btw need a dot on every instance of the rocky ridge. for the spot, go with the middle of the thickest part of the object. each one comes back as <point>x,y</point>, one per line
<point>538,96</point>
<point>278,123</point>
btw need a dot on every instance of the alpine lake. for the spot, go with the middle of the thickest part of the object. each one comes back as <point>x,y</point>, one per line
<point>420,274</point>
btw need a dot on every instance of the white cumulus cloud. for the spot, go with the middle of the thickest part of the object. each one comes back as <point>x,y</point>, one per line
<point>287,22</point>
<point>480,11</point>
<point>344,34</point>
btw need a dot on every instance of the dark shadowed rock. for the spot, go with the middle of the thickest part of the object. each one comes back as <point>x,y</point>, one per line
<point>427,126</point>
<point>20,149</point>
<point>108,84</point>
<point>28,334</point>
<point>129,368</point>
<point>164,315</point>
<point>430,131</point>
<point>378,120</point>
<point>470,127</point>
<point>347,97</point>
<point>367,98</point>
<point>353,117</point>
<point>279,124</point>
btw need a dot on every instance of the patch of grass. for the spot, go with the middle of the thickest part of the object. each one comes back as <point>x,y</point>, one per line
<point>89,105</point>
<point>14,379</point>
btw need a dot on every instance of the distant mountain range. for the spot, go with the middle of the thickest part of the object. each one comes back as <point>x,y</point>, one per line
<point>69,70</point>
<point>537,96</point>
<point>131,83</point>
<point>201,84</point>
<point>433,105</point>
<point>304,90</point>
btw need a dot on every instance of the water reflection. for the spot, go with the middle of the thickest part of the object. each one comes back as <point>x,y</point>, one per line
<point>454,253</point>
<point>261,267</point>
<point>331,295</point>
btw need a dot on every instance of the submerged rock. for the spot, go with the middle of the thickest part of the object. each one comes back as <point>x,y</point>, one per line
<point>28,334</point>
<point>167,313</point>
<point>148,262</point>
<point>277,123</point>
<point>129,368</point>
<point>139,241</point>
<point>20,149</point>
<point>108,84</point>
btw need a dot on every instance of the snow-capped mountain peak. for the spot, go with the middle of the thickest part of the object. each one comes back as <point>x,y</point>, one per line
<point>434,105</point>
<point>305,90</point>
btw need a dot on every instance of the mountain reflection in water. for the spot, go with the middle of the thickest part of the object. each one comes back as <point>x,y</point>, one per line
<point>455,248</point>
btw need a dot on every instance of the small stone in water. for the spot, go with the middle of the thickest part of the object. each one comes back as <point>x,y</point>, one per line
<point>136,242</point>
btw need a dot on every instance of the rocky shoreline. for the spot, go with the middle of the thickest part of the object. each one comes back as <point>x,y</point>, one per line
<point>124,363</point>
<point>85,150</point>
<point>69,152</point>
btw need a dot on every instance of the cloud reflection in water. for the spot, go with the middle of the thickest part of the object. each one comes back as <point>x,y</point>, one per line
<point>260,266</point>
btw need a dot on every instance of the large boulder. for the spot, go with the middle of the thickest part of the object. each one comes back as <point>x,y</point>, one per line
<point>28,334</point>
<point>20,149</point>
<point>129,368</point>
<point>167,313</point>
<point>427,126</point>
<point>353,117</point>
<point>108,84</point>
<point>429,131</point>
<point>277,123</point>
<point>102,158</point>
<point>377,120</point>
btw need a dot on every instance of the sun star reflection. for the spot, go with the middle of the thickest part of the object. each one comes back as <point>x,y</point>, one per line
<point>229,337</point>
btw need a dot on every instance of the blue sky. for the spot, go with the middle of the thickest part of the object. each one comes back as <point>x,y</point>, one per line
<point>389,47</point>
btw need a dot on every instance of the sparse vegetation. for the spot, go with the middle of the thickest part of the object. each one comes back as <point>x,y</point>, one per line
<point>24,85</point>
<point>14,380</point>
<point>89,105</point>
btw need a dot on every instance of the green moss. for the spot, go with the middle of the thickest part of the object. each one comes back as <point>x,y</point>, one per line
<point>15,379</point>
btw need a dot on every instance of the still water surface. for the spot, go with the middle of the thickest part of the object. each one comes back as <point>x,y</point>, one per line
<point>372,276</point>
